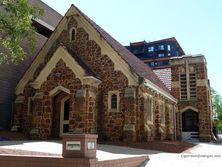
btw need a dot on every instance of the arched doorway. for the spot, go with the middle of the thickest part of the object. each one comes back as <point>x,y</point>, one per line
<point>60,115</point>
<point>64,116</point>
<point>190,121</point>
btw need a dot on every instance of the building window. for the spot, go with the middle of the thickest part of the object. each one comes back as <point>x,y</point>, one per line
<point>152,64</point>
<point>168,47</point>
<point>72,34</point>
<point>162,113</point>
<point>161,55</point>
<point>148,108</point>
<point>30,106</point>
<point>188,88</point>
<point>169,54</point>
<point>113,101</point>
<point>183,86</point>
<point>192,78</point>
<point>170,112</point>
<point>150,49</point>
<point>161,47</point>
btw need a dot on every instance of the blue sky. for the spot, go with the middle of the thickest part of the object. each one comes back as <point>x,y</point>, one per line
<point>196,24</point>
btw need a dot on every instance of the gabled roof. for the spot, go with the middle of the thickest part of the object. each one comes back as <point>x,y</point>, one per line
<point>136,64</point>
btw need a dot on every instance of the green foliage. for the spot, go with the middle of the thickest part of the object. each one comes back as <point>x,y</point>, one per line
<point>15,26</point>
<point>217,108</point>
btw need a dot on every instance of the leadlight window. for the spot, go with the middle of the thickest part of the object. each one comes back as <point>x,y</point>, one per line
<point>192,85</point>
<point>73,34</point>
<point>114,101</point>
<point>148,108</point>
<point>183,86</point>
<point>30,106</point>
<point>162,113</point>
<point>188,88</point>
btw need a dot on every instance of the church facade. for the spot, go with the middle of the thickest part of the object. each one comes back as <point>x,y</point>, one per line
<point>84,81</point>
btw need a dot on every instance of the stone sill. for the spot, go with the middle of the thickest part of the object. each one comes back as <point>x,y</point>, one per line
<point>186,100</point>
<point>150,122</point>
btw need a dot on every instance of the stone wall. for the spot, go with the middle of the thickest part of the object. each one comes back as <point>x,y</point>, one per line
<point>156,130</point>
<point>89,106</point>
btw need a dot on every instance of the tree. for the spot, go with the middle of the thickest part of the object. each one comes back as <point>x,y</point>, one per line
<point>217,108</point>
<point>15,26</point>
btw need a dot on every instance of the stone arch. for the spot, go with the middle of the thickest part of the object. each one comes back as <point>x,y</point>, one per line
<point>57,90</point>
<point>189,107</point>
<point>190,121</point>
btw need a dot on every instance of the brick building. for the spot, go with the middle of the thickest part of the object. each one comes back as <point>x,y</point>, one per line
<point>156,54</point>
<point>190,85</point>
<point>11,73</point>
<point>84,81</point>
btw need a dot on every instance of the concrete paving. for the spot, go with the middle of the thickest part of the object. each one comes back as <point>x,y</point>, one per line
<point>104,152</point>
<point>202,155</point>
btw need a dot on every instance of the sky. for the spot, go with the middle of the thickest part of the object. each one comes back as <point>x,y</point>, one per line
<point>196,24</point>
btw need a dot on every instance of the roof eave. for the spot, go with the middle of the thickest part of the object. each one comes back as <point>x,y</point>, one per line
<point>159,90</point>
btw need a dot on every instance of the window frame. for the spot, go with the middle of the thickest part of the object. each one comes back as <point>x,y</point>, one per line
<point>151,49</point>
<point>30,106</point>
<point>162,108</point>
<point>161,47</point>
<point>161,55</point>
<point>71,34</point>
<point>110,94</point>
<point>169,47</point>
<point>150,103</point>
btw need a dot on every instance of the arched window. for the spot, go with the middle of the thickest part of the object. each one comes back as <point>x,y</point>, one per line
<point>73,34</point>
<point>30,106</point>
<point>162,112</point>
<point>114,101</point>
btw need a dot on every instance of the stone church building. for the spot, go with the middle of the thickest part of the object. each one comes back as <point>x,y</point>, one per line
<point>84,81</point>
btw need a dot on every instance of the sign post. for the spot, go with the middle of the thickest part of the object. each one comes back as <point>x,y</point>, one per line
<point>79,145</point>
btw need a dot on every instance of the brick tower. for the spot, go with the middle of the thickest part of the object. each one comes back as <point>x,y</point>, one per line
<point>190,85</point>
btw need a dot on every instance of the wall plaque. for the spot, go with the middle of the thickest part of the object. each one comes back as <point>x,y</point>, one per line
<point>73,145</point>
<point>90,145</point>
<point>129,127</point>
<point>81,93</point>
<point>129,92</point>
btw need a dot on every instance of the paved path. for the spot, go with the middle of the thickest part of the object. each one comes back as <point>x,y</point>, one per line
<point>104,152</point>
<point>202,155</point>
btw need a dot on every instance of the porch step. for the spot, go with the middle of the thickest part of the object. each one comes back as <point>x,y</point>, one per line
<point>194,136</point>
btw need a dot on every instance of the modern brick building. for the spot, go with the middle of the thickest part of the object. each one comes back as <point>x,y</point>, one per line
<point>84,81</point>
<point>10,73</point>
<point>156,54</point>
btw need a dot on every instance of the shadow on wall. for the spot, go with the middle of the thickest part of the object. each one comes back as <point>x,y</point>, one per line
<point>5,116</point>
